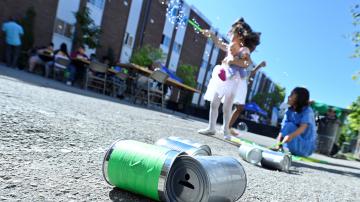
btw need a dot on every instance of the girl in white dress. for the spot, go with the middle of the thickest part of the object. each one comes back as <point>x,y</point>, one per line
<point>226,90</point>
<point>252,41</point>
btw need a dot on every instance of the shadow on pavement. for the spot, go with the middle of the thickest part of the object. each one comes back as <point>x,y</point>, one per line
<point>330,170</point>
<point>222,140</point>
<point>291,171</point>
<point>118,195</point>
<point>344,166</point>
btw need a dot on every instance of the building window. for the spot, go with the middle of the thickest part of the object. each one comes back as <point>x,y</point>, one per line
<point>59,26</point>
<point>64,28</point>
<point>165,40</point>
<point>177,48</point>
<point>98,3</point>
<point>209,42</point>
<point>128,39</point>
<point>204,64</point>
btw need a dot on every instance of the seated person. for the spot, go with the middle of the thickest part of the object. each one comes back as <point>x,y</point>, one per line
<point>62,52</point>
<point>298,132</point>
<point>78,54</point>
<point>36,59</point>
<point>120,78</point>
<point>93,58</point>
<point>331,114</point>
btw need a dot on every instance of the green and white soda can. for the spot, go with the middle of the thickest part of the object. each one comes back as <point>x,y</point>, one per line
<point>139,168</point>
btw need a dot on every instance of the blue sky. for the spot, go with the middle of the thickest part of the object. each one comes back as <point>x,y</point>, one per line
<point>305,43</point>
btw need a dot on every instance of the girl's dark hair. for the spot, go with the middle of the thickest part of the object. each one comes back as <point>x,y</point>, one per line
<point>63,48</point>
<point>252,40</point>
<point>302,98</point>
<point>240,27</point>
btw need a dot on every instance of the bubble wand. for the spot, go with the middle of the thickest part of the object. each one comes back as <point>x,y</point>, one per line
<point>276,145</point>
<point>195,25</point>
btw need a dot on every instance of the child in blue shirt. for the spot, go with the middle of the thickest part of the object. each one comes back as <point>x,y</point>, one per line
<point>298,132</point>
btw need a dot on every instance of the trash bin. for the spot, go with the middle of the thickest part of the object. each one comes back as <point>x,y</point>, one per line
<point>327,133</point>
<point>345,148</point>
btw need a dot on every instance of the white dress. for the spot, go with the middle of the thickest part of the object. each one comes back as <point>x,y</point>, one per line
<point>235,85</point>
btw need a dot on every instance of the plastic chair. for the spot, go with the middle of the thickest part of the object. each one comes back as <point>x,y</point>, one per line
<point>118,83</point>
<point>96,76</point>
<point>156,95</point>
<point>60,65</point>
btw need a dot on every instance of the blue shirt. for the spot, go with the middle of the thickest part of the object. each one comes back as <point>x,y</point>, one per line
<point>306,116</point>
<point>306,142</point>
<point>13,31</point>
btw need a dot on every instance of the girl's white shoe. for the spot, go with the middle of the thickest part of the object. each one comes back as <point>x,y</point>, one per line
<point>207,131</point>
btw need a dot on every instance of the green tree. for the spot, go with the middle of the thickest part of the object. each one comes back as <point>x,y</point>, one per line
<point>354,116</point>
<point>187,74</point>
<point>261,99</point>
<point>355,11</point>
<point>27,23</point>
<point>350,129</point>
<point>87,32</point>
<point>146,56</point>
<point>267,101</point>
<point>276,97</point>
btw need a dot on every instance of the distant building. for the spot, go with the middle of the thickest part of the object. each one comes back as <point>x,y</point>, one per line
<point>127,25</point>
<point>261,84</point>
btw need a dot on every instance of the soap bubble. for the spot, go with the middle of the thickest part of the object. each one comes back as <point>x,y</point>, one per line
<point>175,13</point>
<point>242,127</point>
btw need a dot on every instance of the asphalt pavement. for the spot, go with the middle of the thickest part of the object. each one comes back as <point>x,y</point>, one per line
<point>53,138</point>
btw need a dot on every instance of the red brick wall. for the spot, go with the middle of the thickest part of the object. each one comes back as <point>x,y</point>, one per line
<point>154,24</point>
<point>194,44</point>
<point>113,27</point>
<point>44,20</point>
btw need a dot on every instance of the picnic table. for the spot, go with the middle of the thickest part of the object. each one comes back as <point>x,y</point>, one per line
<point>46,56</point>
<point>147,72</point>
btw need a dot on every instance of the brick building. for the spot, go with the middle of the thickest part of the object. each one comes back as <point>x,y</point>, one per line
<point>126,25</point>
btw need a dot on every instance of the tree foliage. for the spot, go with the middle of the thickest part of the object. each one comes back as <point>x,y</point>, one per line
<point>87,32</point>
<point>28,23</point>
<point>261,99</point>
<point>146,56</point>
<point>355,11</point>
<point>277,96</point>
<point>267,101</point>
<point>352,125</point>
<point>354,116</point>
<point>187,74</point>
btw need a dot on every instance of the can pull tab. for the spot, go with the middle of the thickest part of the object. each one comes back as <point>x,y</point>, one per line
<point>186,183</point>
